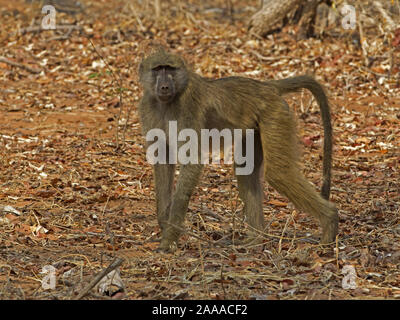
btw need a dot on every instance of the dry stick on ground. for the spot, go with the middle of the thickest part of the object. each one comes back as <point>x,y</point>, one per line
<point>363,42</point>
<point>119,81</point>
<point>113,265</point>
<point>234,209</point>
<point>202,262</point>
<point>283,232</point>
<point>384,14</point>
<point>337,251</point>
<point>63,37</point>
<point>375,73</point>
<point>263,58</point>
<point>67,27</point>
<point>126,123</point>
<point>19,65</point>
<point>265,235</point>
<point>142,28</point>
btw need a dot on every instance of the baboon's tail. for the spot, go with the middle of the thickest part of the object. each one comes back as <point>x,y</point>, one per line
<point>295,84</point>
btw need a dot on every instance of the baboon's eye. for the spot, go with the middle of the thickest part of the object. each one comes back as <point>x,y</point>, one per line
<point>166,67</point>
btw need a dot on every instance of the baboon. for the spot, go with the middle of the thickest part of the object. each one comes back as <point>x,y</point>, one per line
<point>173,92</point>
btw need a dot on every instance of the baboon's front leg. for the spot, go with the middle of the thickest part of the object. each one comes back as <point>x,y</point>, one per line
<point>164,183</point>
<point>188,178</point>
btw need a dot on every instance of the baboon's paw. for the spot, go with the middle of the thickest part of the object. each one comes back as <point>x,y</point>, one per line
<point>167,246</point>
<point>329,233</point>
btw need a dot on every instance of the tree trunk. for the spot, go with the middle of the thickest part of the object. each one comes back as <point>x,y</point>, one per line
<point>271,14</point>
<point>306,26</point>
<point>311,16</point>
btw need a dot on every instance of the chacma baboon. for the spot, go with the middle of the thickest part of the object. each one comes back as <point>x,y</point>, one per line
<point>173,92</point>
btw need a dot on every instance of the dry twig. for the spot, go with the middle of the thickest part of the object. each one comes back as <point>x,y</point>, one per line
<point>113,265</point>
<point>119,81</point>
<point>384,14</point>
<point>68,27</point>
<point>20,65</point>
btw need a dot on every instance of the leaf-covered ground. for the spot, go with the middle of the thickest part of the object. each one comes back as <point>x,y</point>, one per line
<point>69,199</point>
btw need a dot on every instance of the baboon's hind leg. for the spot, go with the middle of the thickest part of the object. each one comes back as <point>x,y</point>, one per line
<point>283,173</point>
<point>251,191</point>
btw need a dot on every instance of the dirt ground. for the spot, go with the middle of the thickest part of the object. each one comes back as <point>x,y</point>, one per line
<point>69,198</point>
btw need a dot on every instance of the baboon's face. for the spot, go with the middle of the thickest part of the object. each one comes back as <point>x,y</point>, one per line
<point>164,82</point>
<point>163,75</point>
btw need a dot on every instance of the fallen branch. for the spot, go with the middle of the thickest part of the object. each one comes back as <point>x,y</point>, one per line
<point>384,14</point>
<point>263,58</point>
<point>63,37</point>
<point>19,65</point>
<point>363,42</point>
<point>113,265</point>
<point>68,27</point>
<point>375,73</point>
